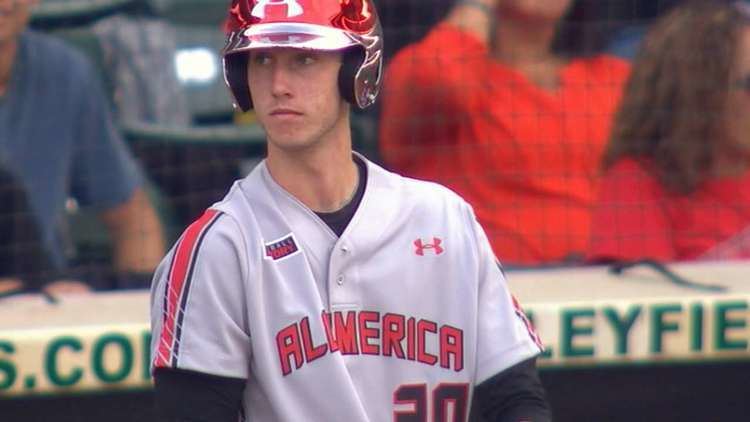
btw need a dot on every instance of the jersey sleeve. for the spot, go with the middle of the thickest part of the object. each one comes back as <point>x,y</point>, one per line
<point>198,308</point>
<point>428,87</point>
<point>629,219</point>
<point>505,336</point>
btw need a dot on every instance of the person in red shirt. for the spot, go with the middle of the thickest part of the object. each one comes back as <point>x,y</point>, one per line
<point>677,181</point>
<point>490,105</point>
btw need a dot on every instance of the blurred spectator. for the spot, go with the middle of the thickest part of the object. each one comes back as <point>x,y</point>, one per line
<point>677,182</point>
<point>509,103</point>
<point>22,254</point>
<point>57,140</point>
<point>139,53</point>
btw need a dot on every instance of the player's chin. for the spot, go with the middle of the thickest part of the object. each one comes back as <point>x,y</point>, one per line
<point>289,141</point>
<point>281,128</point>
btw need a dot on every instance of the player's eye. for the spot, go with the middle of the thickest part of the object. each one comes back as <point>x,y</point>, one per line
<point>260,58</point>
<point>305,59</point>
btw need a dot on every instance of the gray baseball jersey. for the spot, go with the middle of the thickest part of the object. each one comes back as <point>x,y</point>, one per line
<point>398,319</point>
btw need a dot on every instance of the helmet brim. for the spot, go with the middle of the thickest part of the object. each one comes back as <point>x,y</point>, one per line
<point>302,36</point>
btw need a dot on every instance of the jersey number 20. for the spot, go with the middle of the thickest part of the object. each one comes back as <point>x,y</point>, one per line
<point>447,400</point>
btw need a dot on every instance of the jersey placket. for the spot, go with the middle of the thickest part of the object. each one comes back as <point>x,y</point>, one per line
<point>342,284</point>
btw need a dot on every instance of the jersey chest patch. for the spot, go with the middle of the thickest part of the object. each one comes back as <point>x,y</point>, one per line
<point>279,249</point>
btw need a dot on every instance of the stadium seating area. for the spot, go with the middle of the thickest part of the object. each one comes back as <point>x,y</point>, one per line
<point>190,166</point>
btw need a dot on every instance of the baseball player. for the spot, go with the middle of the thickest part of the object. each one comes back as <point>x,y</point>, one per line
<point>323,287</point>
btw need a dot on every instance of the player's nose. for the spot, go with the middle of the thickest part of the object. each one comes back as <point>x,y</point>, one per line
<point>281,82</point>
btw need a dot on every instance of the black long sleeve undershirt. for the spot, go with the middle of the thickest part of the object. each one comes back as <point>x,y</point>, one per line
<point>187,396</point>
<point>514,395</point>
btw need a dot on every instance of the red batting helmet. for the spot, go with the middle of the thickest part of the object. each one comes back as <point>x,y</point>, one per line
<point>351,26</point>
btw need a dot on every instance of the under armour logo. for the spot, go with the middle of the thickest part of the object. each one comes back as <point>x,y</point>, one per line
<point>434,246</point>
<point>292,8</point>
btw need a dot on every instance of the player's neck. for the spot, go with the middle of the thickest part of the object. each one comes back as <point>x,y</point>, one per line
<point>322,177</point>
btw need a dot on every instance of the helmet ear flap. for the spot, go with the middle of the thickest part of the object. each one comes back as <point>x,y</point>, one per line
<point>235,70</point>
<point>351,62</point>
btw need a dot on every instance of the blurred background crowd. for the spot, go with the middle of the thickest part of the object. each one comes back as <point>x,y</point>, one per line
<point>581,131</point>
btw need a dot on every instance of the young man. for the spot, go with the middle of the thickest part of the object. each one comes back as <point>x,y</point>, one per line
<point>57,140</point>
<point>324,288</point>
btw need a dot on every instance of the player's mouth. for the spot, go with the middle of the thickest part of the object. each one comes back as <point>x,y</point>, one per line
<point>285,112</point>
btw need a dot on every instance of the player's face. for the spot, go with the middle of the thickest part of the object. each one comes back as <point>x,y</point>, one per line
<point>14,14</point>
<point>738,107</point>
<point>535,10</point>
<point>295,95</point>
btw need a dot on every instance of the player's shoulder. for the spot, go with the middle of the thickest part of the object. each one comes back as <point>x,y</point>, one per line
<point>212,229</point>
<point>429,191</point>
<point>419,192</point>
<point>242,206</point>
<point>232,215</point>
<point>246,197</point>
<point>215,236</point>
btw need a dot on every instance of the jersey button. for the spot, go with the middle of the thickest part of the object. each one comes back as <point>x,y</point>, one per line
<point>344,249</point>
<point>340,280</point>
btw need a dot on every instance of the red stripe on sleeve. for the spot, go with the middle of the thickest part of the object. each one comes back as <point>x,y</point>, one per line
<point>176,282</point>
<point>529,326</point>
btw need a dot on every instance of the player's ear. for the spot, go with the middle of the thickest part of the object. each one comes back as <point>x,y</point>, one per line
<point>351,61</point>
<point>237,75</point>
